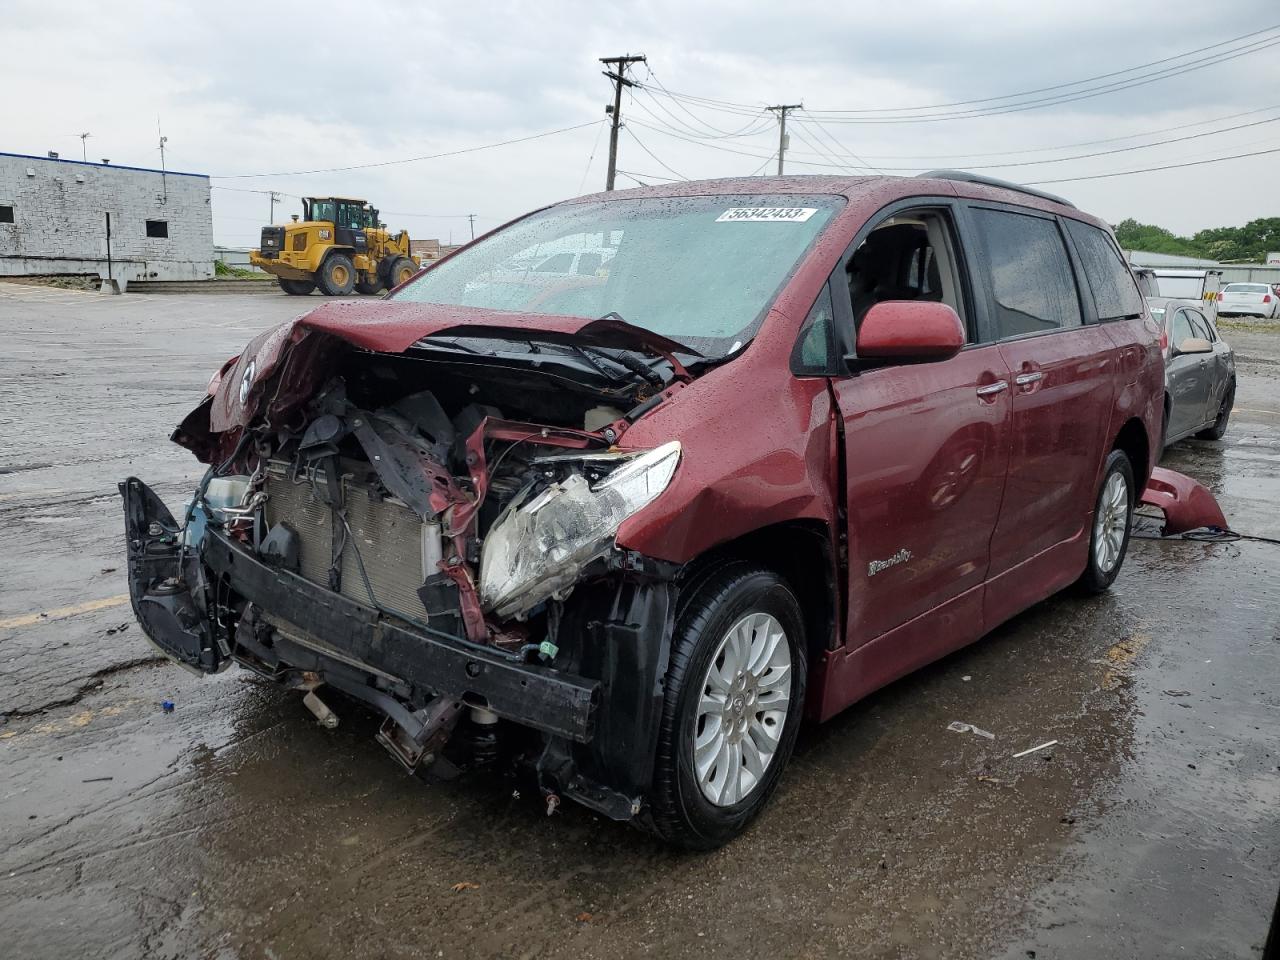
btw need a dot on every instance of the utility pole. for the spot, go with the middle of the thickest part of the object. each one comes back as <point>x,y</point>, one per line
<point>84,148</point>
<point>620,80</point>
<point>164,179</point>
<point>275,198</point>
<point>472,218</point>
<point>782,110</point>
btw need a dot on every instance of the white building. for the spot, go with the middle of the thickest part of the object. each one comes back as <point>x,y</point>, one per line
<point>54,220</point>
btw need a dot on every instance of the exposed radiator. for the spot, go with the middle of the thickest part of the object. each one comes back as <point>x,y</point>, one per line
<point>399,550</point>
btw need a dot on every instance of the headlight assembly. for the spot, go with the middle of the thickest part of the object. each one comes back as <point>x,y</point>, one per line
<point>537,547</point>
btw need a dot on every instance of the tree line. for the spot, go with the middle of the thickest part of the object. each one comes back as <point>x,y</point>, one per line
<point>1248,244</point>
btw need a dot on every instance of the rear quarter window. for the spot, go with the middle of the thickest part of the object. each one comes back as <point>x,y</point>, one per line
<point>1115,294</point>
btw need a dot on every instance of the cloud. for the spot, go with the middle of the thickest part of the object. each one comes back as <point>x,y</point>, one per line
<point>256,88</point>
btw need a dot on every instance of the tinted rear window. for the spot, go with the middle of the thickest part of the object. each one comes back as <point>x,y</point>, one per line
<point>1246,288</point>
<point>1031,278</point>
<point>1114,293</point>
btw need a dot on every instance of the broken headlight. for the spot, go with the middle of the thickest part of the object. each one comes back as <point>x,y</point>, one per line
<point>537,547</point>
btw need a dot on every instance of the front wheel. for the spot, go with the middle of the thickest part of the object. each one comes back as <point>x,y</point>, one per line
<point>1112,521</point>
<point>733,702</point>
<point>337,275</point>
<point>296,288</point>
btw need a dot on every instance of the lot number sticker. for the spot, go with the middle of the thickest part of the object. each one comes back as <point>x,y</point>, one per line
<point>758,214</point>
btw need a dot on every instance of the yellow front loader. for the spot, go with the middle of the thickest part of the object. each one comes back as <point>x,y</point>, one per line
<point>338,246</point>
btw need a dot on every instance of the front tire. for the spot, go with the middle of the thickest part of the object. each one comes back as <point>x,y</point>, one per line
<point>296,288</point>
<point>733,703</point>
<point>1112,523</point>
<point>337,275</point>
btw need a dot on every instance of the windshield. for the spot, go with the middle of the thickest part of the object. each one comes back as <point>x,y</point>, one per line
<point>701,270</point>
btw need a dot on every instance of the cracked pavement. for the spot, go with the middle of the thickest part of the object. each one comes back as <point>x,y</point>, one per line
<point>236,827</point>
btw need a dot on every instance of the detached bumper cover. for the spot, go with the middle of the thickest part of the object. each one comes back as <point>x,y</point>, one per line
<point>1187,504</point>
<point>558,703</point>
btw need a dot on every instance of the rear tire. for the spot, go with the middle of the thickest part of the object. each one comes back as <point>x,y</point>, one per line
<point>1219,428</point>
<point>737,727</point>
<point>1112,524</point>
<point>337,275</point>
<point>297,288</point>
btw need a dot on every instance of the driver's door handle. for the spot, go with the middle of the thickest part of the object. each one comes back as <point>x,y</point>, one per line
<point>991,389</point>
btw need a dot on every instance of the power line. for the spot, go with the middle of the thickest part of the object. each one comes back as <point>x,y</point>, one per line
<point>854,116</point>
<point>818,127</point>
<point>807,119</point>
<point>591,158</point>
<point>999,166</point>
<point>391,163</point>
<point>648,176</point>
<point>660,162</point>
<point>1168,166</point>
<point>1060,86</point>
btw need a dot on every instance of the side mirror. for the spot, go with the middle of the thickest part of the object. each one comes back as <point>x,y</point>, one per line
<point>1194,345</point>
<point>910,330</point>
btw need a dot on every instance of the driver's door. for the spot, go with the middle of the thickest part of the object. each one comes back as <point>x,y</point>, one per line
<point>927,450</point>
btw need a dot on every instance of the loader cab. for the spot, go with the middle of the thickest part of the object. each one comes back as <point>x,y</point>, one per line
<point>350,219</point>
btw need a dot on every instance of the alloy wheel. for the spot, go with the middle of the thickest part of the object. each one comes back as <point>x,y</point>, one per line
<point>742,709</point>
<point>1111,523</point>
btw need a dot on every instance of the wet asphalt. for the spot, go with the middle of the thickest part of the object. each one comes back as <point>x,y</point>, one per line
<point>234,826</point>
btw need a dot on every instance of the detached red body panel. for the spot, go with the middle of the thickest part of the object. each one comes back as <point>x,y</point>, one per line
<point>1187,503</point>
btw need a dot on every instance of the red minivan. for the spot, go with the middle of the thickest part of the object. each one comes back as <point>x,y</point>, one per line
<point>781,442</point>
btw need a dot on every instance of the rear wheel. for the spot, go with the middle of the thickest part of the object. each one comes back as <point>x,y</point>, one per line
<point>1219,428</point>
<point>402,268</point>
<point>1112,520</point>
<point>296,288</point>
<point>733,701</point>
<point>337,275</point>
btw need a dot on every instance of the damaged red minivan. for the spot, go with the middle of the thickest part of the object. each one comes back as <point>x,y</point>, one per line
<point>619,492</point>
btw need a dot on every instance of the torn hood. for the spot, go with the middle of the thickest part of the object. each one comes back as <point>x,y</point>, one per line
<point>387,326</point>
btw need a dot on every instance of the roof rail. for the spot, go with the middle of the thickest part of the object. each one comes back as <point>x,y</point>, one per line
<point>966,177</point>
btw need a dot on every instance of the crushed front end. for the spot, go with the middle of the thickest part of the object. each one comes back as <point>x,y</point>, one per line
<point>372,523</point>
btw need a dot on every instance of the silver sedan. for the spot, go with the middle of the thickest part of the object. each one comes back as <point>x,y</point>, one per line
<point>1199,371</point>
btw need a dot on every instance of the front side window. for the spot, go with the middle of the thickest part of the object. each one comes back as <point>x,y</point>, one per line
<point>1115,294</point>
<point>701,270</point>
<point>1199,325</point>
<point>1031,279</point>
<point>909,256</point>
<point>322,210</point>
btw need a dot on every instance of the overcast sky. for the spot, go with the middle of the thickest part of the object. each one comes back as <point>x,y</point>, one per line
<point>275,87</point>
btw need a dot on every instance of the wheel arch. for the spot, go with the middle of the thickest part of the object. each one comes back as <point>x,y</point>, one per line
<point>1132,440</point>
<point>799,551</point>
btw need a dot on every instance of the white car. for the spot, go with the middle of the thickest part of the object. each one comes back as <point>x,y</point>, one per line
<point>1248,299</point>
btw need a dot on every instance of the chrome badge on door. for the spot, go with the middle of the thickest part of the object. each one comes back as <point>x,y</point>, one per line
<point>878,566</point>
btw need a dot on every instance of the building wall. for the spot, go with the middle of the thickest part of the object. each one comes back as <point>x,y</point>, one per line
<point>59,213</point>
